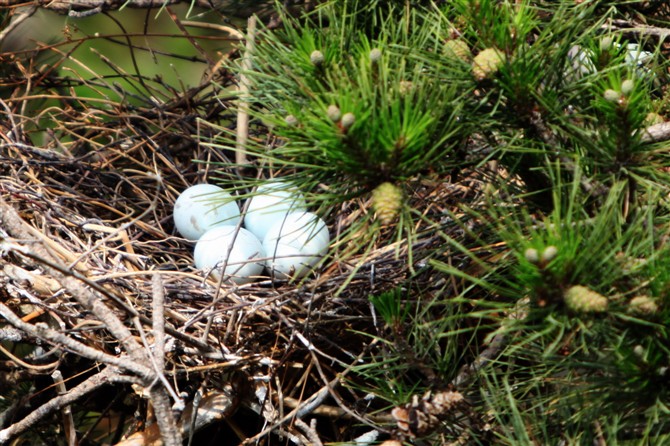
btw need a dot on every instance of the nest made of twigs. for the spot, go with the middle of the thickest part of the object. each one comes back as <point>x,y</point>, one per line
<point>104,217</point>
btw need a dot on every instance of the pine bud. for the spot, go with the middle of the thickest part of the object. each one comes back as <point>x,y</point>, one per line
<point>583,300</point>
<point>334,113</point>
<point>316,57</point>
<point>375,55</point>
<point>627,87</point>
<point>348,120</point>
<point>405,87</point>
<point>643,306</point>
<point>606,43</point>
<point>386,202</point>
<point>653,119</point>
<point>611,95</point>
<point>532,256</point>
<point>291,120</point>
<point>549,254</point>
<point>486,63</point>
<point>457,49</point>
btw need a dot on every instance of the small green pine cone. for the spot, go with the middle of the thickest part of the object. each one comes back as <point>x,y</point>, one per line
<point>405,87</point>
<point>317,58</point>
<point>457,49</point>
<point>627,87</point>
<point>549,254</point>
<point>532,256</point>
<point>334,113</point>
<point>583,300</point>
<point>386,202</point>
<point>612,95</point>
<point>643,306</point>
<point>291,120</point>
<point>486,63</point>
<point>606,43</point>
<point>347,120</point>
<point>375,55</point>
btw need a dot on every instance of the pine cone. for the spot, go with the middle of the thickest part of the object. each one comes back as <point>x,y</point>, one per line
<point>486,63</point>
<point>583,300</point>
<point>386,202</point>
<point>423,415</point>
<point>643,306</point>
<point>457,49</point>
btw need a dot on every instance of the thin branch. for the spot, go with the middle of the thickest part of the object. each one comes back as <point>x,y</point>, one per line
<point>657,132</point>
<point>243,108</point>
<point>158,321</point>
<point>309,430</point>
<point>165,420</point>
<point>85,8</point>
<point>41,331</point>
<point>107,376</point>
<point>68,421</point>
<point>22,17</point>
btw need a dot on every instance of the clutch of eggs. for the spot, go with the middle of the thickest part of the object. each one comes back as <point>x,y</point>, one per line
<point>202,207</point>
<point>293,240</point>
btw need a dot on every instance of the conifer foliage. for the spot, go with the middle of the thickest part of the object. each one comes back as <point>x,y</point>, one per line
<point>561,336</point>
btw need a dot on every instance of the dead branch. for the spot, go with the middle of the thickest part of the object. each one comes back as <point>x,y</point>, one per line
<point>139,362</point>
<point>68,421</point>
<point>84,8</point>
<point>88,7</point>
<point>107,376</point>
<point>40,331</point>
<point>657,133</point>
<point>243,109</point>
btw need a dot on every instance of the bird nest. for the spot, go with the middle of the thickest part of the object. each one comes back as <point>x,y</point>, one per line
<point>99,292</point>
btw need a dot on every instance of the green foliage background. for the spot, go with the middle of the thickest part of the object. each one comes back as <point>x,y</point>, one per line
<point>576,299</point>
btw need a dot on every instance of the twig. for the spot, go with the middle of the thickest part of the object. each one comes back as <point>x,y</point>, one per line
<point>657,132</point>
<point>330,385</point>
<point>108,375</point>
<point>158,321</point>
<point>640,29</point>
<point>165,420</point>
<point>243,107</point>
<point>55,337</point>
<point>497,344</point>
<point>17,228</point>
<point>22,17</point>
<point>139,361</point>
<point>68,422</point>
<point>310,431</point>
<point>303,409</point>
<point>468,371</point>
